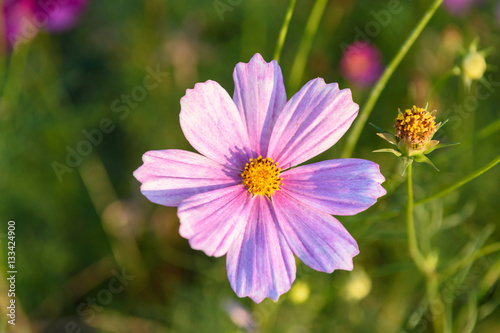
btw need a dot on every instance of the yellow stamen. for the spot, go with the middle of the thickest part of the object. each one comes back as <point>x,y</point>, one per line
<point>417,126</point>
<point>262,176</point>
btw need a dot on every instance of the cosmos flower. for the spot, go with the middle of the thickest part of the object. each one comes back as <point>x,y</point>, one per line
<point>415,129</point>
<point>361,63</point>
<point>17,14</point>
<point>458,7</point>
<point>24,18</point>
<point>60,15</point>
<point>244,195</point>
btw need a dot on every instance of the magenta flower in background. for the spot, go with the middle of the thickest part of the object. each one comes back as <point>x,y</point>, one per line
<point>24,18</point>
<point>17,15</point>
<point>458,7</point>
<point>245,196</point>
<point>361,63</point>
<point>60,14</point>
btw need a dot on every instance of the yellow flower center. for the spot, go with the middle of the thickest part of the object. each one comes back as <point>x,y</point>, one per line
<point>262,176</point>
<point>417,126</point>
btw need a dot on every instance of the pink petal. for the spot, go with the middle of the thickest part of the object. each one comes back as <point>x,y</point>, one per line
<point>170,176</point>
<point>260,264</point>
<point>338,187</point>
<point>313,120</point>
<point>316,238</point>
<point>213,220</point>
<point>213,126</point>
<point>259,94</point>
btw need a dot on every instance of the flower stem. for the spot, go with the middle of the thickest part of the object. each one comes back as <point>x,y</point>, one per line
<point>353,137</point>
<point>415,253</point>
<point>427,268</point>
<point>461,182</point>
<point>492,248</point>
<point>299,63</point>
<point>284,30</point>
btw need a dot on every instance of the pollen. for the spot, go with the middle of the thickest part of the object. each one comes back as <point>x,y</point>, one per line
<point>416,125</point>
<point>262,176</point>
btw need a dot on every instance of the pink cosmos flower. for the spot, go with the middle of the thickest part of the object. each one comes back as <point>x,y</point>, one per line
<point>361,63</point>
<point>24,18</point>
<point>458,7</point>
<point>245,196</point>
<point>17,14</point>
<point>60,15</point>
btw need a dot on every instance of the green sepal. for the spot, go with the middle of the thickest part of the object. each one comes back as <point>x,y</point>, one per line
<point>388,150</point>
<point>389,138</point>
<point>440,145</point>
<point>424,159</point>
<point>378,128</point>
<point>441,124</point>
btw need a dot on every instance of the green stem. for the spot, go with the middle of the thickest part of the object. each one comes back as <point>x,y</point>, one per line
<point>495,247</point>
<point>429,271</point>
<point>381,83</point>
<point>410,225</point>
<point>299,63</point>
<point>436,304</point>
<point>284,30</point>
<point>461,182</point>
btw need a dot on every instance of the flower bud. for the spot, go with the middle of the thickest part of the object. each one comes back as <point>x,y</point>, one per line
<point>474,65</point>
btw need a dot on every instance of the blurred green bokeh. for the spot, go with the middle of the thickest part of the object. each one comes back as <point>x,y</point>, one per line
<point>75,232</point>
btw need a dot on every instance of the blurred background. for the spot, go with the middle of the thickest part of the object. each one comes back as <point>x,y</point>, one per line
<point>88,88</point>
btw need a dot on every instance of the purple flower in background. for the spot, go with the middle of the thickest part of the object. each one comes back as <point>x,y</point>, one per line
<point>458,7</point>
<point>17,16</point>
<point>60,15</point>
<point>24,18</point>
<point>361,63</point>
<point>245,196</point>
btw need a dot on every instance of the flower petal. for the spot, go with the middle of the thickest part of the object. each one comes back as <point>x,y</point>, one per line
<point>170,176</point>
<point>313,120</point>
<point>213,220</point>
<point>339,187</point>
<point>259,94</point>
<point>260,263</point>
<point>213,126</point>
<point>317,238</point>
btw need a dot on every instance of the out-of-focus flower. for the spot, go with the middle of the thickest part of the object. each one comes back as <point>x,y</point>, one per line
<point>24,18</point>
<point>358,286</point>
<point>474,64</point>
<point>240,315</point>
<point>361,63</point>
<point>244,197</point>
<point>413,137</point>
<point>300,292</point>
<point>458,7</point>
<point>17,15</point>
<point>58,15</point>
